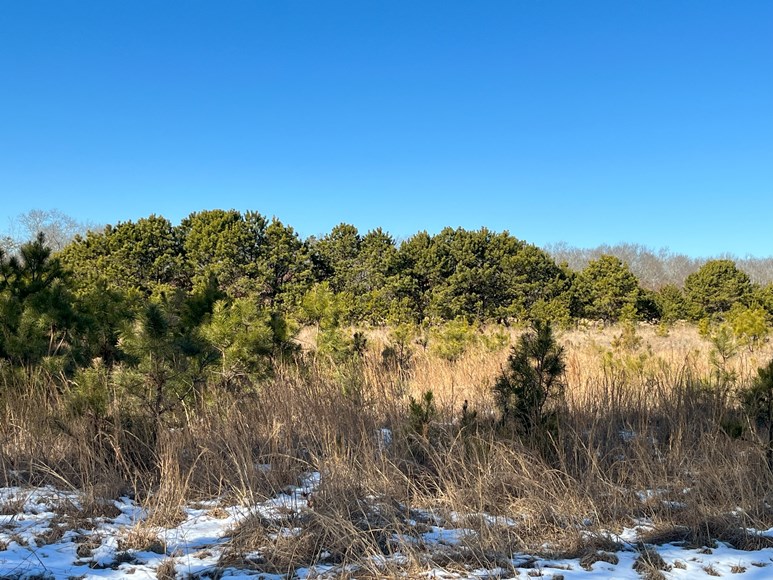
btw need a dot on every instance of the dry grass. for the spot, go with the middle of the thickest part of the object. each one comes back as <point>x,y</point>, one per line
<point>166,570</point>
<point>142,538</point>
<point>650,565</point>
<point>637,419</point>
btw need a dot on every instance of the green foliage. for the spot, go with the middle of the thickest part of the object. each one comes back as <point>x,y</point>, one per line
<point>763,297</point>
<point>646,307</point>
<point>557,311</point>
<point>36,305</point>
<point>671,303</point>
<point>283,268</point>
<point>225,245</point>
<point>371,278</point>
<point>482,275</point>
<point>495,338</point>
<point>421,413</point>
<point>334,256</point>
<point>452,339</point>
<point>750,325</point>
<point>333,343</point>
<point>102,312</point>
<point>90,391</point>
<point>628,339</point>
<point>416,277</point>
<point>532,381</point>
<point>243,335</point>
<point>321,306</point>
<point>757,401</point>
<point>605,287</point>
<point>364,269</point>
<point>163,371</point>
<point>663,329</point>
<point>723,348</point>
<point>399,352</point>
<point>715,288</point>
<point>144,255</point>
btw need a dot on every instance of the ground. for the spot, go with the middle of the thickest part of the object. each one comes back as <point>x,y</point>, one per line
<point>47,533</point>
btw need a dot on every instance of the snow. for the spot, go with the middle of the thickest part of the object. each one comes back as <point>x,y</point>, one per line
<point>37,542</point>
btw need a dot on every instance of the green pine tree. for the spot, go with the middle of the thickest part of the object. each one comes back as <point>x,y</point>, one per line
<point>532,382</point>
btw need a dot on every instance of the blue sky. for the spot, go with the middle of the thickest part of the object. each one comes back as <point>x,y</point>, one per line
<point>586,122</point>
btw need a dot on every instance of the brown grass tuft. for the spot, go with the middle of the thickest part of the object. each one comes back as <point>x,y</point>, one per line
<point>166,570</point>
<point>651,565</point>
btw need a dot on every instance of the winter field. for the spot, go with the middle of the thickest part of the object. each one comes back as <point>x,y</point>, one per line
<point>326,470</point>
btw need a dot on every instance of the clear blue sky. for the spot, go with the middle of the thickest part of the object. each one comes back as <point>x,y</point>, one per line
<point>583,121</point>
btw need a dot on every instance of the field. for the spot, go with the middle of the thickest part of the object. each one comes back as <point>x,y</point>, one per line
<point>649,468</point>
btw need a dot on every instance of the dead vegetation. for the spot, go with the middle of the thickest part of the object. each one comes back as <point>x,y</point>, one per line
<point>640,437</point>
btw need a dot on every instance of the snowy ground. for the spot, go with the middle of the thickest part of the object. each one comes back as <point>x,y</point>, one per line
<point>44,534</point>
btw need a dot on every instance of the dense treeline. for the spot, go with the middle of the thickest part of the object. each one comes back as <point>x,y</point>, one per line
<point>477,275</point>
<point>228,287</point>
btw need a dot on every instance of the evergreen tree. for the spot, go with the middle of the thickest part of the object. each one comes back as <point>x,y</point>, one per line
<point>414,278</point>
<point>715,288</point>
<point>532,381</point>
<point>671,303</point>
<point>243,335</point>
<point>482,275</point>
<point>605,287</point>
<point>146,256</point>
<point>163,363</point>
<point>36,304</point>
<point>372,275</point>
<point>757,400</point>
<point>224,245</point>
<point>283,267</point>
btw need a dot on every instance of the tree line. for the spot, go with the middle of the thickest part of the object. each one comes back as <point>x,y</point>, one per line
<point>146,316</point>
<point>218,262</point>
<point>224,267</point>
<point>477,275</point>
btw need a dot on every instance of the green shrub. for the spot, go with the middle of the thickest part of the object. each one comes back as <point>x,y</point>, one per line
<point>421,413</point>
<point>495,339</point>
<point>532,381</point>
<point>452,340</point>
<point>723,348</point>
<point>398,352</point>
<point>757,401</point>
<point>715,288</point>
<point>750,325</point>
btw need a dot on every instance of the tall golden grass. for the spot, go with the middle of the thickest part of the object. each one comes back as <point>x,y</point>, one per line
<point>641,434</point>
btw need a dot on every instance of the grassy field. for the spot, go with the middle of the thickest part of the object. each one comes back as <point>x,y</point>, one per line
<point>649,434</point>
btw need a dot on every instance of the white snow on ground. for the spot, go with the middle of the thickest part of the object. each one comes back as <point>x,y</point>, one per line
<point>37,542</point>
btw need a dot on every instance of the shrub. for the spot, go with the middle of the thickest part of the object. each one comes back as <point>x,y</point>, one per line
<point>607,286</point>
<point>451,340</point>
<point>533,379</point>
<point>495,339</point>
<point>715,288</point>
<point>421,413</point>
<point>757,401</point>
<point>749,325</point>
<point>398,353</point>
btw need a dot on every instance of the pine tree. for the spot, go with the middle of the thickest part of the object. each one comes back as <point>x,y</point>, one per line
<point>757,400</point>
<point>533,380</point>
